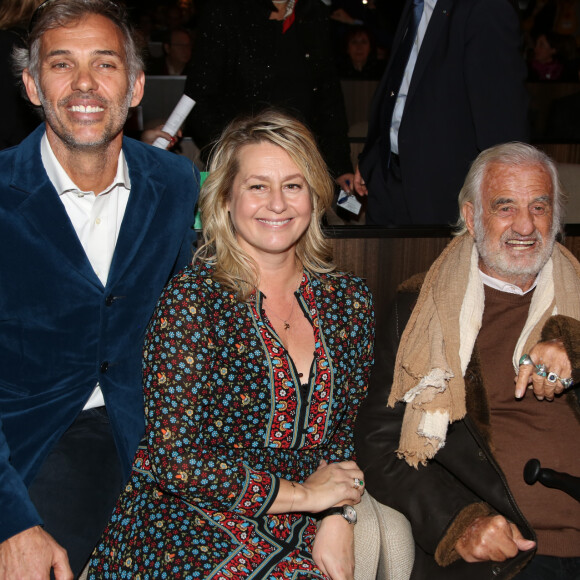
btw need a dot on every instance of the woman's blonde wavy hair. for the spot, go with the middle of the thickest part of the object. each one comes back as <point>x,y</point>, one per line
<point>234,268</point>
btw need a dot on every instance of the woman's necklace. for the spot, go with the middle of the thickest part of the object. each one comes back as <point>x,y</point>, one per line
<point>287,320</point>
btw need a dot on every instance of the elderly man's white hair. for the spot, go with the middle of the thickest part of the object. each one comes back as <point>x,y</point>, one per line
<point>514,154</point>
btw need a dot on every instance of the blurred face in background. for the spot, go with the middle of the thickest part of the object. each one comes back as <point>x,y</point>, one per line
<point>178,51</point>
<point>359,49</point>
<point>543,52</point>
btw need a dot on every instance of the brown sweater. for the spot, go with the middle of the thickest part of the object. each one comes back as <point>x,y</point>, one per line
<point>528,428</point>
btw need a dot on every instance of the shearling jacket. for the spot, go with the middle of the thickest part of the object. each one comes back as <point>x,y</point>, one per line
<point>463,480</point>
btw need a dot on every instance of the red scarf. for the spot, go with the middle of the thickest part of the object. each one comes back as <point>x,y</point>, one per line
<point>290,19</point>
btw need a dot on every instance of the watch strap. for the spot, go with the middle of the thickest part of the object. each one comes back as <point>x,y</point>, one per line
<point>332,511</point>
<point>346,511</point>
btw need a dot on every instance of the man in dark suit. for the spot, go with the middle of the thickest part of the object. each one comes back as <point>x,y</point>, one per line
<point>92,226</point>
<point>452,88</point>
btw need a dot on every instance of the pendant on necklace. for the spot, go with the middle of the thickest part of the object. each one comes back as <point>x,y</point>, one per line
<point>286,325</point>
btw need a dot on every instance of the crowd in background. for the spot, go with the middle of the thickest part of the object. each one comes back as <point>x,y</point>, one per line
<point>361,36</point>
<point>362,33</point>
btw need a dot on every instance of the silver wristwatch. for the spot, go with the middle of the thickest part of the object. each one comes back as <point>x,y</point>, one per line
<point>346,511</point>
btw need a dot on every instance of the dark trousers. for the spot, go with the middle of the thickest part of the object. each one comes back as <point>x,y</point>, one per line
<point>78,485</point>
<point>387,205</point>
<point>551,568</point>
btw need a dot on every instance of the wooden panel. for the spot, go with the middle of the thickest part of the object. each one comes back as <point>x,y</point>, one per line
<point>561,152</point>
<point>385,262</point>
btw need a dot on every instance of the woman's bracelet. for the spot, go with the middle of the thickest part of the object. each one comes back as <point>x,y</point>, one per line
<point>293,495</point>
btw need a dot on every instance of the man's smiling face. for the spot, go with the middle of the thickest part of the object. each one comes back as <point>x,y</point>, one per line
<point>84,83</point>
<point>514,228</point>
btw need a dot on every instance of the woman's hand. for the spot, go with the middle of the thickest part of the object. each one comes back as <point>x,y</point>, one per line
<point>333,549</point>
<point>330,485</point>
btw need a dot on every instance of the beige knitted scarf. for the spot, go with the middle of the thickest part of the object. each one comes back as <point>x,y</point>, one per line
<point>438,341</point>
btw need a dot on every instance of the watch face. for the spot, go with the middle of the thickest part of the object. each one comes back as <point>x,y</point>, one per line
<point>349,514</point>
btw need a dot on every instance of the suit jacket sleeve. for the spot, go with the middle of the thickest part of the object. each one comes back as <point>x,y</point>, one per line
<point>18,512</point>
<point>187,248</point>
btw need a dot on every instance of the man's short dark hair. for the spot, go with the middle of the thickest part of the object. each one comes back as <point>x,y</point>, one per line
<point>57,13</point>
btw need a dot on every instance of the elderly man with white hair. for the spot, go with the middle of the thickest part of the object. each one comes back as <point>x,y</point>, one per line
<point>446,430</point>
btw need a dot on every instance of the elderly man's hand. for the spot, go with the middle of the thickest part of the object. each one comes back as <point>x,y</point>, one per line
<point>553,355</point>
<point>491,538</point>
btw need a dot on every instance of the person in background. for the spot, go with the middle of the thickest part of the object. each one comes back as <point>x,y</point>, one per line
<point>17,116</point>
<point>554,58</point>
<point>177,49</point>
<point>360,61</point>
<point>256,362</point>
<point>449,450</point>
<point>454,86</point>
<point>260,53</point>
<point>94,225</point>
<point>545,64</point>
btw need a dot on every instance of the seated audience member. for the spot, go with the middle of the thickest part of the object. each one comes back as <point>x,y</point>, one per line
<point>445,432</point>
<point>177,54</point>
<point>552,60</point>
<point>361,60</point>
<point>18,118</point>
<point>256,362</point>
<point>544,64</point>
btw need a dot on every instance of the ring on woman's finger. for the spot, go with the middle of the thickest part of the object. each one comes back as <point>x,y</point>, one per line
<point>567,383</point>
<point>552,377</point>
<point>526,359</point>
<point>358,483</point>
<point>541,370</point>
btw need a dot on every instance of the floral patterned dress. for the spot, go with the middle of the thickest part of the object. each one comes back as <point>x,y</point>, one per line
<point>227,418</point>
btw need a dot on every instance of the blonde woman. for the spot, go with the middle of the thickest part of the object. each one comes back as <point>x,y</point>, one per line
<point>255,365</point>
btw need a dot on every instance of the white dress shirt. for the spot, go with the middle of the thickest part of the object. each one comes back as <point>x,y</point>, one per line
<point>504,286</point>
<point>96,219</point>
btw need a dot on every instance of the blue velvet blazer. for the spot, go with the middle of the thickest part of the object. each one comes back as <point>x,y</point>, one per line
<point>61,331</point>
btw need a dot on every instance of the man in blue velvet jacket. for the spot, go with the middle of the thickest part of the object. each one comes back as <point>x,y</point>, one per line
<point>92,226</point>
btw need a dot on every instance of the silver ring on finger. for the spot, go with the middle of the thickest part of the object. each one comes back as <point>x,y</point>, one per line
<point>541,370</point>
<point>552,377</point>
<point>567,383</point>
<point>358,483</point>
<point>525,359</point>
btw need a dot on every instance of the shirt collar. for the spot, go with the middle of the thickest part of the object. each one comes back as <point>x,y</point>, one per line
<point>505,286</point>
<point>63,183</point>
